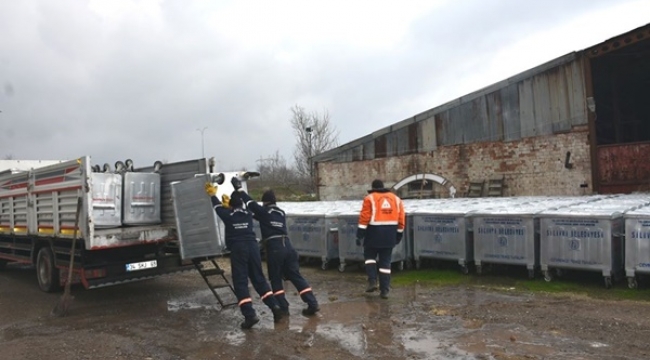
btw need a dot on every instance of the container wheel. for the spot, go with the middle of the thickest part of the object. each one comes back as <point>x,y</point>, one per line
<point>464,269</point>
<point>559,273</point>
<point>324,265</point>
<point>531,273</point>
<point>608,282</point>
<point>46,271</point>
<point>631,282</point>
<point>408,264</point>
<point>342,267</point>
<point>547,276</point>
<point>479,269</point>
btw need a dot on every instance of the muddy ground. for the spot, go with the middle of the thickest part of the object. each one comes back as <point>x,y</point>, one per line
<point>176,317</point>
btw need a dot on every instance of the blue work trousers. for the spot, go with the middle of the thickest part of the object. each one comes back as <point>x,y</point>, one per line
<point>378,259</point>
<point>282,263</point>
<point>246,263</point>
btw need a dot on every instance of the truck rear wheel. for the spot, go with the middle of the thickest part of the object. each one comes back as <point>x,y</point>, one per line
<point>46,271</point>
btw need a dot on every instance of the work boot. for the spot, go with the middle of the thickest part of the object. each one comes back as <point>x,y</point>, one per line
<point>285,312</point>
<point>372,286</point>
<point>278,314</point>
<point>249,322</point>
<point>383,294</point>
<point>311,310</point>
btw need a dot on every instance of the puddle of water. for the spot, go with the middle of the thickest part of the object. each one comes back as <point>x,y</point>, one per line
<point>194,301</point>
<point>432,344</point>
<point>236,338</point>
<point>598,345</point>
<point>367,326</point>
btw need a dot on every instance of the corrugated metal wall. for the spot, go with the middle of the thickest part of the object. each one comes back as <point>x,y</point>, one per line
<point>546,100</point>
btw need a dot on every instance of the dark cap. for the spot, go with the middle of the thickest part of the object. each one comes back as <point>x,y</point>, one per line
<point>268,197</point>
<point>235,200</point>
<point>377,186</point>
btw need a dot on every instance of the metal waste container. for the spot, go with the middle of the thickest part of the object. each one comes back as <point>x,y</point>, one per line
<point>586,236</point>
<point>637,244</point>
<point>308,234</point>
<point>106,199</point>
<point>509,234</point>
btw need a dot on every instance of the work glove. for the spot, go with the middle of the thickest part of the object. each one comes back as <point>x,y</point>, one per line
<point>361,233</point>
<point>359,241</point>
<point>236,183</point>
<point>399,237</point>
<point>210,189</point>
<point>225,201</point>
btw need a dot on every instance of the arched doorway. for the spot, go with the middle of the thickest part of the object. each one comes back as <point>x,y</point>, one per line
<point>420,186</point>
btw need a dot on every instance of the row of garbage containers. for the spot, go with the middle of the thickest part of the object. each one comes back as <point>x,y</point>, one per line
<point>609,234</point>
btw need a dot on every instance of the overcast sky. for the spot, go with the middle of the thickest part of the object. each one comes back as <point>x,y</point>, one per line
<point>118,79</point>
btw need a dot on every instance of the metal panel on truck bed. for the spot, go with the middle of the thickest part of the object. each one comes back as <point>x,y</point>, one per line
<point>196,220</point>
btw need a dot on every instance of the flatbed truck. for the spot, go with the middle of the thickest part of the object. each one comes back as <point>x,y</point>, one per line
<point>38,210</point>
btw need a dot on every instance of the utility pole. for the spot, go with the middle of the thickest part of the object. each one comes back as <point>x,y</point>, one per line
<point>309,131</point>
<point>202,143</point>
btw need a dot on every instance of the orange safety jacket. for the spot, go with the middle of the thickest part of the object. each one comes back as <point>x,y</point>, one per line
<point>382,217</point>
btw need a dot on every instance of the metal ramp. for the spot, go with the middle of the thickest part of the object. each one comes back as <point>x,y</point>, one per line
<point>216,280</point>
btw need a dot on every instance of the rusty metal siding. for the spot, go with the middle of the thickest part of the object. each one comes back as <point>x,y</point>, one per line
<point>456,125</point>
<point>473,121</point>
<point>402,141</point>
<point>623,168</point>
<point>541,105</point>
<point>527,108</point>
<point>380,146</point>
<point>356,153</point>
<point>391,144</point>
<point>575,75</point>
<point>427,134</point>
<point>442,128</point>
<point>511,126</point>
<point>546,100</point>
<point>345,156</point>
<point>546,103</point>
<point>494,116</point>
<point>369,150</point>
<point>559,102</point>
<point>414,143</point>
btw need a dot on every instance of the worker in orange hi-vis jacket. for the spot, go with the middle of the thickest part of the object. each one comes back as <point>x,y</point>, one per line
<point>381,227</point>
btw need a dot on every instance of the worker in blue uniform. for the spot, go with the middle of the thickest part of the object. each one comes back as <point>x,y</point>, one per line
<point>282,258</point>
<point>245,259</point>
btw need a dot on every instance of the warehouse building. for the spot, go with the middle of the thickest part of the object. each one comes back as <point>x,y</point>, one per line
<point>579,124</point>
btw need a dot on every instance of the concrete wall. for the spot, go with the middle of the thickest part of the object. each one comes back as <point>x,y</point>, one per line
<point>531,166</point>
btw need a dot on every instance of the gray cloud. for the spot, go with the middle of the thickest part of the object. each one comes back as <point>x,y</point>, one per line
<point>80,82</point>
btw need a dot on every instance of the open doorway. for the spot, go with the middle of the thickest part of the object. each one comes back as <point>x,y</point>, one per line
<point>620,73</point>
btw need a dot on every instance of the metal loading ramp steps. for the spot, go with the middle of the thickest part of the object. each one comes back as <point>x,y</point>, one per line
<point>217,282</point>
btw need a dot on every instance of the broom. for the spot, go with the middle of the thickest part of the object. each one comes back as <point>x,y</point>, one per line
<point>61,309</point>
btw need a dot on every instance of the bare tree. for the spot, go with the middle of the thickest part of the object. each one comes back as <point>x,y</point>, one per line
<point>314,135</point>
<point>275,172</point>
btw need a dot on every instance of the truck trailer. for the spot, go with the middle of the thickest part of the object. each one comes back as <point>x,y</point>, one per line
<point>127,228</point>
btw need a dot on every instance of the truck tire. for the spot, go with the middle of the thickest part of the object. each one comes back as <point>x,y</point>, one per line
<point>46,271</point>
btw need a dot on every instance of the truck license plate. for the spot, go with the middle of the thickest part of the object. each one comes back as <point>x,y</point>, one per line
<point>141,265</point>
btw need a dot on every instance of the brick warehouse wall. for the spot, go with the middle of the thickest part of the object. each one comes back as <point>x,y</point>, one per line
<point>531,166</point>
